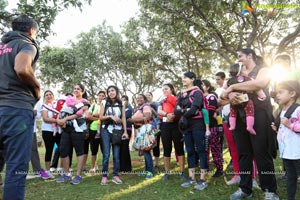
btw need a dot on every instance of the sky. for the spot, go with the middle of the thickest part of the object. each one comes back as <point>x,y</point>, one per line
<point>71,22</point>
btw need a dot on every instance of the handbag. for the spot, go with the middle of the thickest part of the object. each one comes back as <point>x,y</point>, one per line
<point>145,138</point>
<point>116,138</point>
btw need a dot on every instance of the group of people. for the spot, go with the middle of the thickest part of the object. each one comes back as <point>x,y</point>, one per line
<point>192,120</point>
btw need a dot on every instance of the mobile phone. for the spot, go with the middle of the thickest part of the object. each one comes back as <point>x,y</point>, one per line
<point>244,97</point>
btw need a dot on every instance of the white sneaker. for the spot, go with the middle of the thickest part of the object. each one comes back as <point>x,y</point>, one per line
<point>60,170</point>
<point>271,196</point>
<point>50,174</point>
<point>52,169</point>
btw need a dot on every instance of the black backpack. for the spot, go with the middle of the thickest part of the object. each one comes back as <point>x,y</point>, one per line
<point>288,114</point>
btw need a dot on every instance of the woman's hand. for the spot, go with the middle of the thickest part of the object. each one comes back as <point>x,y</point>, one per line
<point>170,117</point>
<point>285,121</point>
<point>225,93</point>
<point>234,98</point>
<point>274,127</point>
<point>116,119</point>
<point>61,122</point>
<point>125,135</point>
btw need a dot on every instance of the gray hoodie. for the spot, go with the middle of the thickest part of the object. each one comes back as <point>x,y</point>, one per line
<point>14,92</point>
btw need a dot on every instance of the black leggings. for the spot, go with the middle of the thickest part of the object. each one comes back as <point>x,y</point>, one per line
<point>169,134</point>
<point>49,141</point>
<point>292,172</point>
<point>95,143</point>
<point>69,138</point>
<point>86,144</point>
<point>156,149</point>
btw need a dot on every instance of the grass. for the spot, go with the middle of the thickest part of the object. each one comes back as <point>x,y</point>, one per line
<point>136,187</point>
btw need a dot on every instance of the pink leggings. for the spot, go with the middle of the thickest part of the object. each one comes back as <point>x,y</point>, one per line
<point>234,153</point>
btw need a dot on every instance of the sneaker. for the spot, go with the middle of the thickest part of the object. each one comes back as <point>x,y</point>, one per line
<point>271,196</point>
<point>36,175</point>
<point>76,180</point>
<point>181,176</point>
<point>63,178</point>
<point>235,180</point>
<point>104,181</point>
<point>60,170</point>
<point>44,174</point>
<point>52,169</point>
<point>218,173</point>
<point>166,177</point>
<point>201,185</point>
<point>254,184</point>
<point>149,175</point>
<point>239,194</point>
<point>117,180</point>
<point>188,183</point>
<point>50,174</point>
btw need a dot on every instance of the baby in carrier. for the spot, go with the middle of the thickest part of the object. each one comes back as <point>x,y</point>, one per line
<point>247,104</point>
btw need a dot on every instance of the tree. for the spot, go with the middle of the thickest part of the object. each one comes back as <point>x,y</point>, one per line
<point>217,29</point>
<point>43,11</point>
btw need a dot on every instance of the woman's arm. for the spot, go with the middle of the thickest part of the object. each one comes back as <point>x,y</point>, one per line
<point>260,82</point>
<point>103,117</point>
<point>46,118</point>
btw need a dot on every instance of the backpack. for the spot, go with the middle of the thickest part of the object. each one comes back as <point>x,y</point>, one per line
<point>108,105</point>
<point>204,100</point>
<point>288,114</point>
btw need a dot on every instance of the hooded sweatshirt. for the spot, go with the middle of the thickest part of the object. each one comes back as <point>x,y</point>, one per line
<point>14,92</point>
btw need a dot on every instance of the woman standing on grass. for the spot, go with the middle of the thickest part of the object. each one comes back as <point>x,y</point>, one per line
<point>93,116</point>
<point>142,116</point>
<point>48,125</point>
<point>112,116</point>
<point>70,138</point>
<point>262,145</point>
<point>189,105</point>
<point>170,131</point>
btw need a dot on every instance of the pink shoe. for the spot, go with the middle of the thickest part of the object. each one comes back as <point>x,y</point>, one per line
<point>104,181</point>
<point>117,180</point>
<point>44,174</point>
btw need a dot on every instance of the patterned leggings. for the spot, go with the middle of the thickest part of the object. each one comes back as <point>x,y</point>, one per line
<point>216,148</point>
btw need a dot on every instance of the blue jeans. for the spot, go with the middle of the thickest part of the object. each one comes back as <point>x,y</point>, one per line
<point>148,161</point>
<point>16,132</point>
<point>106,142</point>
<point>194,141</point>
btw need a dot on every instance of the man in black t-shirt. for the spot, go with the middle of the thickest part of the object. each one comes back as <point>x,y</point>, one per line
<point>19,91</point>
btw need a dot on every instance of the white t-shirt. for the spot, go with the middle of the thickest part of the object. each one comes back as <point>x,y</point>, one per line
<point>226,108</point>
<point>116,111</point>
<point>45,125</point>
<point>288,141</point>
<point>38,108</point>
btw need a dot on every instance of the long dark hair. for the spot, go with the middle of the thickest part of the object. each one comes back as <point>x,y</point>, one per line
<point>211,89</point>
<point>197,81</point>
<point>257,59</point>
<point>118,98</point>
<point>171,88</point>
<point>84,93</point>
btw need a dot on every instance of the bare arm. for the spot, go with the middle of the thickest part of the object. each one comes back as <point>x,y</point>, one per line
<point>46,118</point>
<point>260,82</point>
<point>23,68</point>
